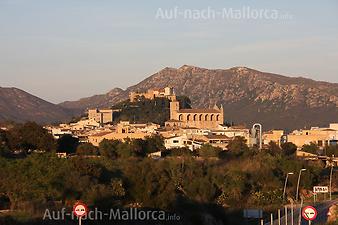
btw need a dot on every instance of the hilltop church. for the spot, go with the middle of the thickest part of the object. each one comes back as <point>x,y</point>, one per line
<point>209,118</point>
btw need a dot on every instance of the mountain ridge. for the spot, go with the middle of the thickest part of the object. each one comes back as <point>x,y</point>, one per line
<point>20,106</point>
<point>248,95</point>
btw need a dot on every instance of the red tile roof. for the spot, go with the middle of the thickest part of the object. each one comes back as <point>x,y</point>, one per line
<point>199,111</point>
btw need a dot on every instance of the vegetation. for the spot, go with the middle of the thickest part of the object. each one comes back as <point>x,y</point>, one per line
<point>193,187</point>
<point>146,110</point>
<point>331,150</point>
<point>311,148</point>
<point>27,137</point>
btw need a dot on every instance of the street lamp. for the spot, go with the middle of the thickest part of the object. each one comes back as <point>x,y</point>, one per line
<point>286,181</point>
<point>300,172</point>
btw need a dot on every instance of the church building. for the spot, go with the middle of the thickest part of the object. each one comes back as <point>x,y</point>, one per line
<point>209,118</point>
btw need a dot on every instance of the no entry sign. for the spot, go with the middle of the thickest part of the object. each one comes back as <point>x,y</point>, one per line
<point>80,209</point>
<point>309,213</point>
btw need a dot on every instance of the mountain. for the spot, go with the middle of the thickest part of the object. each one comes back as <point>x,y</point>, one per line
<point>247,95</point>
<point>104,100</point>
<point>20,106</point>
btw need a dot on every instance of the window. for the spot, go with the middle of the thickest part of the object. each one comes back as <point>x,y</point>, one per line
<point>180,117</point>
<point>320,143</point>
<point>175,141</point>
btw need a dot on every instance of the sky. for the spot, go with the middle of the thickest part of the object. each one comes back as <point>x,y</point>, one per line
<point>67,49</point>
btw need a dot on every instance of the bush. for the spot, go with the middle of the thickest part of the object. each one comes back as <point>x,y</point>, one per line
<point>331,150</point>
<point>238,145</point>
<point>184,151</point>
<point>67,143</point>
<point>289,148</point>
<point>108,148</point>
<point>208,150</point>
<point>87,149</point>
<point>311,148</point>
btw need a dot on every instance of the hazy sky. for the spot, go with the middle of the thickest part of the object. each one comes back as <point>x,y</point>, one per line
<point>66,49</point>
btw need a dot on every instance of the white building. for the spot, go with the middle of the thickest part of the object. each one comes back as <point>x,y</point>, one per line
<point>180,142</point>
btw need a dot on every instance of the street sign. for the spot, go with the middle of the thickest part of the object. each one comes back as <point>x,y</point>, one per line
<point>309,213</point>
<point>80,209</point>
<point>320,189</point>
<point>253,213</point>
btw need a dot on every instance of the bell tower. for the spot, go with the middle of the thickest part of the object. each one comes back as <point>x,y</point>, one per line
<point>174,108</point>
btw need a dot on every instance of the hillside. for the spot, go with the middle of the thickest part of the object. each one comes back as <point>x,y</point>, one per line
<point>146,110</point>
<point>19,106</point>
<point>247,95</point>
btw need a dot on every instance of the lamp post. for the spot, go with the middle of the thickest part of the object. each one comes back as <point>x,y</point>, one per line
<point>300,172</point>
<point>286,181</point>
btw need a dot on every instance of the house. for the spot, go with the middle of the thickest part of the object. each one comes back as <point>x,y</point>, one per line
<point>274,136</point>
<point>180,142</point>
<point>124,130</point>
<point>319,136</point>
<point>101,116</point>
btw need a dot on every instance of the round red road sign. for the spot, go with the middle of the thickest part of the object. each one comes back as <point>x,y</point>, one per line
<point>309,213</point>
<point>80,209</point>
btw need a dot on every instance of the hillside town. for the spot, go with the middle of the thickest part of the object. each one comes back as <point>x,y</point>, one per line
<point>190,128</point>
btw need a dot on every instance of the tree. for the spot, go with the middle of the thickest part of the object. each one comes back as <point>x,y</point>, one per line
<point>67,143</point>
<point>331,150</point>
<point>273,148</point>
<point>30,136</point>
<point>311,148</point>
<point>184,151</point>
<point>289,148</point>
<point>208,150</point>
<point>154,143</point>
<point>3,137</point>
<point>238,144</point>
<point>5,151</point>
<point>108,148</point>
<point>87,149</point>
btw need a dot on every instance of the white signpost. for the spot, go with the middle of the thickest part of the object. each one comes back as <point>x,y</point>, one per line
<point>320,189</point>
<point>309,213</point>
<point>80,209</point>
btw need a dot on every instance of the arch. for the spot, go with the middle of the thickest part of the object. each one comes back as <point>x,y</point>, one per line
<point>188,117</point>
<point>206,117</point>
<point>217,118</point>
<point>200,117</point>
<point>180,117</point>
<point>212,117</point>
<point>195,117</point>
